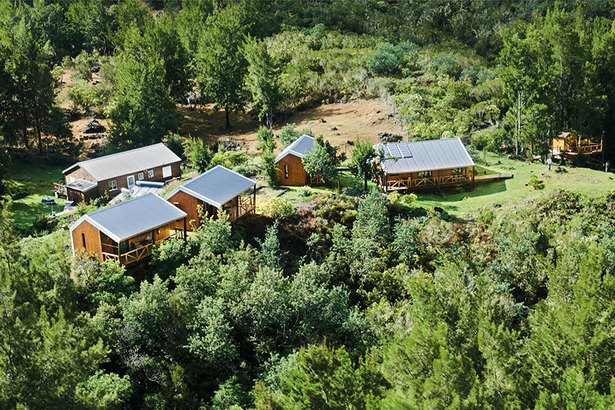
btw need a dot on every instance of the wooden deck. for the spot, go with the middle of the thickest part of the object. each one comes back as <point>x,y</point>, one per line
<point>492,177</point>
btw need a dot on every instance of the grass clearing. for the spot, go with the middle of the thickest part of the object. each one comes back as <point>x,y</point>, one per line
<point>514,192</point>
<point>37,177</point>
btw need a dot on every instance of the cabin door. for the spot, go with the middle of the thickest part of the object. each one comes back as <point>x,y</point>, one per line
<point>130,181</point>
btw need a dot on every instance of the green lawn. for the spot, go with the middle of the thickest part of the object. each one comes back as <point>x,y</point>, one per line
<point>514,191</point>
<point>37,178</point>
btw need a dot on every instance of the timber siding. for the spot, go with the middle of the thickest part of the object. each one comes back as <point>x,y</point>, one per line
<point>122,181</point>
<point>190,204</point>
<point>296,171</point>
<point>92,239</point>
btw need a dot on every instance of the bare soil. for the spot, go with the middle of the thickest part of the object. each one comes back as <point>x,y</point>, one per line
<point>339,123</point>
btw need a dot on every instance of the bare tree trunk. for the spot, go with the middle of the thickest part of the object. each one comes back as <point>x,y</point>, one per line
<point>228,124</point>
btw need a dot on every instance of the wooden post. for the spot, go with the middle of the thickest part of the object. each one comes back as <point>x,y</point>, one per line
<point>473,172</point>
<point>185,228</point>
<point>119,252</point>
<point>254,200</point>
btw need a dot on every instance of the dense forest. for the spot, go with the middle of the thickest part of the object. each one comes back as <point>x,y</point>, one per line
<point>348,300</point>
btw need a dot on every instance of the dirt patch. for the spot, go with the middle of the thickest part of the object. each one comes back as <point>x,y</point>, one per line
<point>339,123</point>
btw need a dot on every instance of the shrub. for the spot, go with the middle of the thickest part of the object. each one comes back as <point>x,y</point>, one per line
<point>387,58</point>
<point>269,168</point>
<point>288,134</point>
<point>279,208</point>
<point>83,97</point>
<point>174,142</point>
<point>535,182</point>
<point>229,159</point>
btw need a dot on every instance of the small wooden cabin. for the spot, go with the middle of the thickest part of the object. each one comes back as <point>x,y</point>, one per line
<point>91,179</point>
<point>290,164</point>
<point>217,190</point>
<point>423,164</point>
<point>573,144</point>
<point>127,232</point>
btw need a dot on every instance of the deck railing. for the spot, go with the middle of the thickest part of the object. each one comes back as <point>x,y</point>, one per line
<point>131,256</point>
<point>407,183</point>
<point>245,205</point>
<point>110,251</point>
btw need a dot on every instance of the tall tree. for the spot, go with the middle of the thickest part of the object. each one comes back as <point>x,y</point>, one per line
<point>322,160</point>
<point>262,79</point>
<point>29,66</point>
<point>361,160</point>
<point>220,63</point>
<point>143,111</point>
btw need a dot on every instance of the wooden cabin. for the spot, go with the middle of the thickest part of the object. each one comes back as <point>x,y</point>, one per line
<point>87,180</point>
<point>423,164</point>
<point>127,232</point>
<point>568,143</point>
<point>290,162</point>
<point>217,190</point>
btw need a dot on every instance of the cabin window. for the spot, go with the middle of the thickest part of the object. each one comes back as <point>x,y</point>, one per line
<point>425,174</point>
<point>150,173</point>
<point>458,171</point>
<point>112,185</point>
<point>83,239</point>
<point>130,180</point>
<point>166,171</point>
<point>285,170</point>
<point>140,176</point>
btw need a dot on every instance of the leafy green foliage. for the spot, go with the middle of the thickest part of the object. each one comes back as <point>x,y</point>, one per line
<point>262,79</point>
<point>199,156</point>
<point>322,160</point>
<point>220,63</point>
<point>387,58</point>
<point>143,111</point>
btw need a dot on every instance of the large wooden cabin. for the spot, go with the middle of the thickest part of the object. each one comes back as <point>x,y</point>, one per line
<point>290,162</point>
<point>568,143</point>
<point>91,179</point>
<point>126,232</point>
<point>217,190</point>
<point>423,164</point>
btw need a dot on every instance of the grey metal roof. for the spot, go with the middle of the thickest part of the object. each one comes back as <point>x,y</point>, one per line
<point>141,188</point>
<point>299,148</point>
<point>216,187</point>
<point>82,185</point>
<point>427,155</point>
<point>132,217</point>
<point>131,161</point>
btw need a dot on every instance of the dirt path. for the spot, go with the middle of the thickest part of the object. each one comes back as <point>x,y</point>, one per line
<point>338,123</point>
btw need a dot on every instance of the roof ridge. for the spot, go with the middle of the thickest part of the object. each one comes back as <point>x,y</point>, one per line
<point>115,154</point>
<point>211,169</point>
<point>117,205</point>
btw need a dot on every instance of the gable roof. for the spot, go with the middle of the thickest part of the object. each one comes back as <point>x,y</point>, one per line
<point>126,162</point>
<point>429,155</point>
<point>132,217</point>
<point>299,148</point>
<point>216,187</point>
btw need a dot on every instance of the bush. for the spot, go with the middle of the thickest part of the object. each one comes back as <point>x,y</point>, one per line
<point>174,142</point>
<point>536,183</point>
<point>288,134</point>
<point>230,159</point>
<point>388,58</point>
<point>269,168</point>
<point>279,208</point>
<point>83,97</point>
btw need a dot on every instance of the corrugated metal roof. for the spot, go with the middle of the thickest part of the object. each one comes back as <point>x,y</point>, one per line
<point>299,148</point>
<point>216,186</point>
<point>427,155</point>
<point>133,217</point>
<point>82,185</point>
<point>127,162</point>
